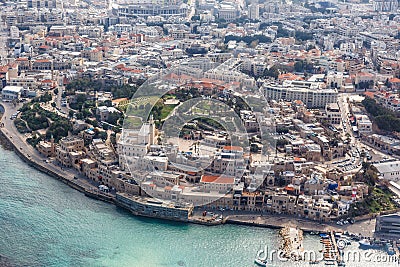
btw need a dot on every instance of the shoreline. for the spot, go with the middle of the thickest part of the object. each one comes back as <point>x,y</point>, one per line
<point>96,196</point>
<point>272,221</point>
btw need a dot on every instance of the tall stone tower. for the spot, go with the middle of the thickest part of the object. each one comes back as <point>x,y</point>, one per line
<point>152,131</point>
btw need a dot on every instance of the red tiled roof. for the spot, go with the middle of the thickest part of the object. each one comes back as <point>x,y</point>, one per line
<point>3,69</point>
<point>217,179</point>
<point>42,61</point>
<point>236,148</point>
<point>369,94</point>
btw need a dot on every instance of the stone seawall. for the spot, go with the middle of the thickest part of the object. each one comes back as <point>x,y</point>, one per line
<point>9,144</point>
<point>251,223</point>
<point>39,167</point>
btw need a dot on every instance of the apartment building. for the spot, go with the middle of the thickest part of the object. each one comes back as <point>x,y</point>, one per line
<point>10,93</point>
<point>146,8</point>
<point>392,145</point>
<point>312,94</point>
<point>333,113</point>
<point>364,124</point>
<point>387,226</point>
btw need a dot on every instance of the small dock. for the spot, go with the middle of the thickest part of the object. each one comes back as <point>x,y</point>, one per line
<point>329,248</point>
<point>336,251</point>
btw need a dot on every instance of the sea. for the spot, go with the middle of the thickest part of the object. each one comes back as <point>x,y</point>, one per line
<point>43,222</point>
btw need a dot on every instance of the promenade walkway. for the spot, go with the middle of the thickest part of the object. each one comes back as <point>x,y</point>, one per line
<point>67,175</point>
<point>34,158</point>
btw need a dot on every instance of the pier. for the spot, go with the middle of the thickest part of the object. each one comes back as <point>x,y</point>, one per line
<point>328,248</point>
<point>335,248</point>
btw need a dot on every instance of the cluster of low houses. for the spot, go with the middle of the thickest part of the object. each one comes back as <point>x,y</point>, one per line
<point>140,169</point>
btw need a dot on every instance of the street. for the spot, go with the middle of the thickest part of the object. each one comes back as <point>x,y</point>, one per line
<point>21,144</point>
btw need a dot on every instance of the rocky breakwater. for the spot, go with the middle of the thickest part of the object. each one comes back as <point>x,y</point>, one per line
<point>292,243</point>
<point>4,141</point>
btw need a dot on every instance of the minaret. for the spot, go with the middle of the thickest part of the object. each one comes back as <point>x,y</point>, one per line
<point>53,150</point>
<point>152,131</point>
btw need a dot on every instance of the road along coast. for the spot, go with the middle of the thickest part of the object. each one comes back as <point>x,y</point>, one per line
<point>13,140</point>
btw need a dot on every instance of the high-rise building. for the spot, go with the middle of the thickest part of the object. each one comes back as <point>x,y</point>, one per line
<point>254,11</point>
<point>312,94</point>
<point>145,8</point>
<point>386,5</point>
<point>41,3</point>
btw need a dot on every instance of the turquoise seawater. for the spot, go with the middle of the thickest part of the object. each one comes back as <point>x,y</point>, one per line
<point>43,222</point>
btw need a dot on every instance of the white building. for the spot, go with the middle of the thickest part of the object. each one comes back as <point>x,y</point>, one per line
<point>14,32</point>
<point>333,113</point>
<point>389,170</point>
<point>364,124</point>
<point>312,94</point>
<point>135,143</point>
<point>221,184</point>
<point>227,11</point>
<point>10,93</point>
<point>254,11</point>
<point>146,8</point>
<point>385,5</point>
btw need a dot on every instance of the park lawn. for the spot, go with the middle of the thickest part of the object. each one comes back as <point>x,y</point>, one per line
<point>166,110</point>
<point>132,123</point>
<point>379,200</point>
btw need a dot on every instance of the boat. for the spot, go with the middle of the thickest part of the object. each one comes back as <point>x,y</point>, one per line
<point>389,249</point>
<point>366,244</point>
<point>324,236</point>
<point>330,262</point>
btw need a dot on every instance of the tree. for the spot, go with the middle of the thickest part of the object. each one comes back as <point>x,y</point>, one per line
<point>299,66</point>
<point>113,118</point>
<point>101,134</point>
<point>272,72</point>
<point>58,129</point>
<point>303,36</point>
<point>282,142</point>
<point>113,139</point>
<point>45,98</point>
<point>254,148</point>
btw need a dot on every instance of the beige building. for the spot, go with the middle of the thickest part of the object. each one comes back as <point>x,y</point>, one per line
<point>70,151</point>
<point>47,149</point>
<point>333,113</point>
<point>221,184</point>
